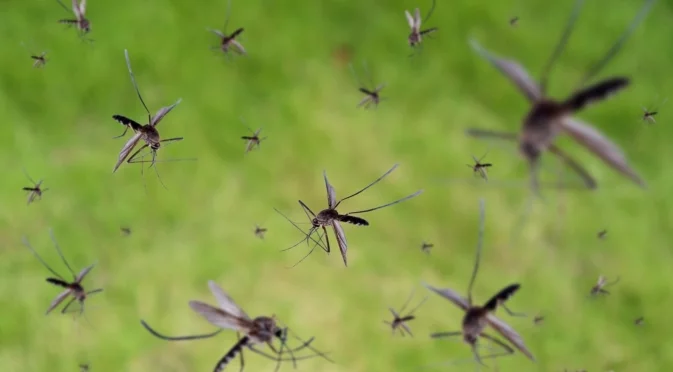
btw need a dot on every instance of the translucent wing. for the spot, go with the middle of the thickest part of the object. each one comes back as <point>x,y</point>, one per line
<point>341,240</point>
<point>82,8</point>
<point>417,18</point>
<point>218,317</point>
<point>601,146</point>
<point>450,295</point>
<point>57,301</point>
<point>410,19</point>
<point>226,303</point>
<point>76,10</point>
<point>238,46</point>
<point>126,150</point>
<point>163,112</point>
<point>514,71</point>
<point>331,194</point>
<point>217,32</point>
<point>83,273</point>
<point>510,334</point>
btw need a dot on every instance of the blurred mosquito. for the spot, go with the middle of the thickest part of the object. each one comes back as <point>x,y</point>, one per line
<point>148,132</point>
<point>39,60</point>
<point>331,217</point>
<point>602,234</point>
<point>416,36</point>
<point>649,114</point>
<point>83,25</point>
<point>261,330</point>
<point>84,367</point>
<point>477,318</point>
<point>125,230</point>
<point>254,140</point>
<point>400,322</point>
<point>372,96</point>
<point>260,231</point>
<point>480,168</point>
<point>599,288</point>
<point>426,247</point>
<point>639,321</point>
<point>548,118</point>
<point>514,21</point>
<point>538,319</point>
<point>72,288</point>
<point>35,191</point>
<point>228,41</point>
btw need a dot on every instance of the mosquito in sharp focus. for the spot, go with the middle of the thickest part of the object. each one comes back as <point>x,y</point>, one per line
<point>548,118</point>
<point>416,36</point>
<point>83,25</point>
<point>254,140</point>
<point>228,41</point>
<point>260,231</point>
<point>480,168</point>
<point>261,330</point>
<point>477,318</point>
<point>372,92</point>
<point>331,217</point>
<point>399,321</point>
<point>72,288</point>
<point>599,288</point>
<point>649,114</point>
<point>148,132</point>
<point>35,191</point>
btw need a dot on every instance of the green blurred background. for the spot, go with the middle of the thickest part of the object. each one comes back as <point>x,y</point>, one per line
<point>296,84</point>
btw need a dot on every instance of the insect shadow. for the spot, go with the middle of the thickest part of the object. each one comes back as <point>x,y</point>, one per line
<point>72,288</point>
<point>80,21</point>
<point>399,322</point>
<point>371,92</point>
<point>34,191</point>
<point>331,217</point>
<point>599,288</point>
<point>261,330</point>
<point>228,42</point>
<point>547,118</point>
<point>416,35</point>
<point>253,140</point>
<point>478,318</point>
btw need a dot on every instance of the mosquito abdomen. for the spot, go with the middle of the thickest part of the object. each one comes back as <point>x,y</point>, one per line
<point>58,282</point>
<point>501,296</point>
<point>353,220</point>
<point>231,354</point>
<point>596,92</point>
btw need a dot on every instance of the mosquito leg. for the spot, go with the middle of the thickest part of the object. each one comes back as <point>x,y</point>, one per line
<point>445,334</point>
<point>65,308</point>
<point>506,350</point>
<point>179,338</point>
<point>512,313</point>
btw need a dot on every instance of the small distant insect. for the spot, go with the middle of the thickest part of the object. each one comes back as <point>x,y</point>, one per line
<point>400,322</point>
<point>331,217</point>
<point>649,114</point>
<point>599,288</point>
<point>35,191</point>
<point>228,41</point>
<point>480,168</point>
<point>639,321</point>
<point>260,231</point>
<point>83,25</point>
<point>84,367</point>
<point>547,118</point>
<point>261,330</point>
<point>125,230</point>
<point>514,21</point>
<point>254,140</point>
<point>538,319</point>
<point>372,93</point>
<point>416,36</point>
<point>602,234</point>
<point>39,60</point>
<point>73,288</point>
<point>426,247</point>
<point>477,318</point>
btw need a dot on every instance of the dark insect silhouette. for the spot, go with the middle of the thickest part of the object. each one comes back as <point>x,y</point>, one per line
<point>331,217</point>
<point>84,367</point>
<point>599,288</point>
<point>253,140</point>
<point>478,318</point>
<point>39,60</point>
<point>83,25</point>
<point>261,330</point>
<point>371,92</point>
<point>34,191</point>
<point>426,247</point>
<point>228,41</point>
<point>639,321</point>
<point>399,321</point>
<point>416,36</point>
<point>514,21</point>
<point>260,231</point>
<point>649,114</point>
<point>547,118</point>
<point>538,319</point>
<point>126,231</point>
<point>72,288</point>
<point>480,168</point>
<point>602,234</point>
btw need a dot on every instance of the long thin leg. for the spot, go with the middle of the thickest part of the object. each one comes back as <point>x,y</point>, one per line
<point>178,338</point>
<point>308,235</point>
<point>389,204</point>
<point>60,253</point>
<point>27,244</point>
<point>512,313</point>
<point>314,246</point>
<point>432,9</point>
<point>135,85</point>
<point>368,186</point>
<point>480,243</point>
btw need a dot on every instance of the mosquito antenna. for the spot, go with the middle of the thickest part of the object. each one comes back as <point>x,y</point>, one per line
<point>389,204</point>
<point>368,186</point>
<point>298,228</point>
<point>60,253</point>
<point>620,42</point>
<point>480,242</point>
<point>432,9</point>
<point>135,85</point>
<point>179,338</point>
<point>561,44</point>
<point>27,244</point>
<point>226,19</point>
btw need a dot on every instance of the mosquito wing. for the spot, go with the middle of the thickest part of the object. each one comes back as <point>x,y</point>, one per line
<point>341,240</point>
<point>82,8</point>
<point>226,303</point>
<point>82,274</point>
<point>514,71</point>
<point>597,143</point>
<point>126,150</point>
<point>57,301</point>
<point>217,32</point>
<point>331,194</point>
<point>450,295</point>
<point>410,20</point>
<point>163,112</point>
<point>238,46</point>
<point>76,10</point>
<point>417,19</point>
<point>219,317</point>
<point>510,334</point>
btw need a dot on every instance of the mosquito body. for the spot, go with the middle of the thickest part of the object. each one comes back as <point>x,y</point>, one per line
<point>426,247</point>
<point>253,140</point>
<point>372,93</point>
<point>228,41</point>
<point>480,168</point>
<point>599,288</point>
<point>331,217</point>
<point>34,191</point>
<point>72,288</point>
<point>126,231</point>
<point>548,118</point>
<point>399,322</point>
<point>478,318</point>
<point>257,331</point>
<point>416,36</point>
<point>260,231</point>
<point>83,25</point>
<point>148,132</point>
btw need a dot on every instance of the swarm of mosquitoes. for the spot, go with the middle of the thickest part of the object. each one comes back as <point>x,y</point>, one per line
<point>546,119</point>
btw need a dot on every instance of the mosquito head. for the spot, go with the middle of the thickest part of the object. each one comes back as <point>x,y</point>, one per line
<point>315,223</point>
<point>85,25</point>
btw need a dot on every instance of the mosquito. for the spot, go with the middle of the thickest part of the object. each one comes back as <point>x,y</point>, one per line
<point>331,217</point>
<point>538,319</point>
<point>125,230</point>
<point>416,36</point>
<point>72,288</point>
<point>639,321</point>
<point>83,25</point>
<point>228,41</point>
<point>84,367</point>
<point>602,234</point>
<point>260,231</point>
<point>477,318</point>
<point>480,168</point>
<point>261,330</point>
<point>148,132</point>
<point>400,322</point>
<point>35,191</point>
<point>599,288</point>
<point>514,21</point>
<point>426,247</point>
<point>372,93</point>
<point>649,114</point>
<point>254,140</point>
<point>548,118</point>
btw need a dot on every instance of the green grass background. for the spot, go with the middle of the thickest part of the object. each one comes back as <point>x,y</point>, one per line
<point>295,83</point>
